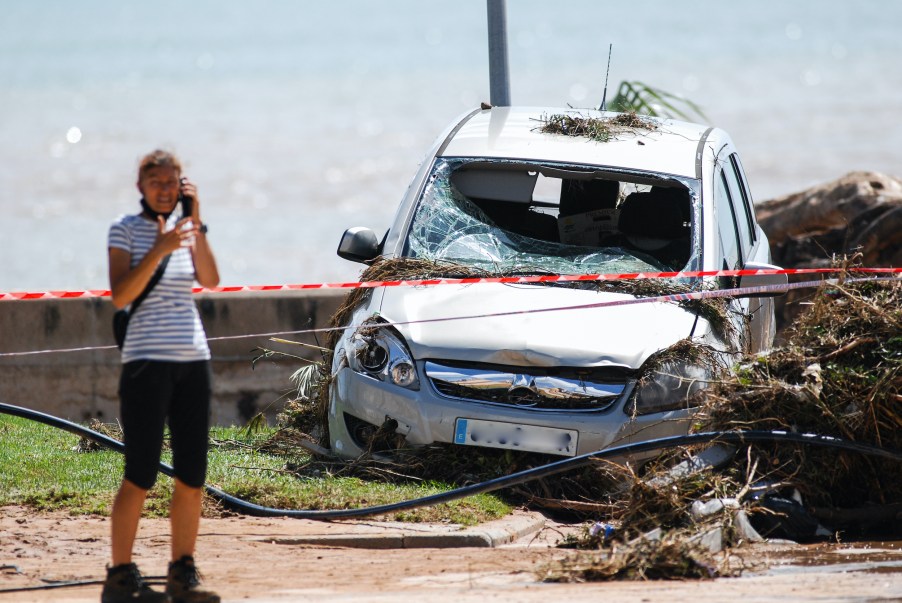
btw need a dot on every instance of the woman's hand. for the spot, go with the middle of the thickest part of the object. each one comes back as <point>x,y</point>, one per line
<point>182,235</point>
<point>189,189</point>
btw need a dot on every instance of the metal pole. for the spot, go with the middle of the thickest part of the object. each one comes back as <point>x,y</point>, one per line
<point>499,80</point>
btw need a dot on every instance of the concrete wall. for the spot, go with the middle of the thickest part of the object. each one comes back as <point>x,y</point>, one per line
<point>78,385</point>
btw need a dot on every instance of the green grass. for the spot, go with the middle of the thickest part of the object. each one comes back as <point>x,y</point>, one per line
<point>41,467</point>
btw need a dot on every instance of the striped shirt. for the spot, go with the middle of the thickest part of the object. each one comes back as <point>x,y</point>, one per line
<point>166,325</point>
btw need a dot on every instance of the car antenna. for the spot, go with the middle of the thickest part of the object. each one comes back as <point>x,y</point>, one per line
<point>604,96</point>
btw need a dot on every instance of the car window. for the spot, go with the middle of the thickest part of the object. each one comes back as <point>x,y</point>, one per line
<point>742,225</point>
<point>450,226</point>
<point>726,222</point>
<point>742,185</point>
<point>740,207</point>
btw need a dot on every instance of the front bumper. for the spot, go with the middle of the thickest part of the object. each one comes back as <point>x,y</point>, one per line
<point>425,417</point>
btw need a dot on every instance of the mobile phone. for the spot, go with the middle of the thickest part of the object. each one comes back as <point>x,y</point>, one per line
<point>187,204</point>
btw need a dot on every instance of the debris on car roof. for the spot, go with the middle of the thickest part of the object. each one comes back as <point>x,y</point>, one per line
<point>599,129</point>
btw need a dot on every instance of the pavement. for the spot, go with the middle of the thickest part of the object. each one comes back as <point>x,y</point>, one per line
<point>365,534</point>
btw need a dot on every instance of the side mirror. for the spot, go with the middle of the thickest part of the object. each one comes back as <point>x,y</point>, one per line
<point>762,280</point>
<point>358,244</point>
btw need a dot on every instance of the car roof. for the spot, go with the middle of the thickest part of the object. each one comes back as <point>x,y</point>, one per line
<point>674,147</point>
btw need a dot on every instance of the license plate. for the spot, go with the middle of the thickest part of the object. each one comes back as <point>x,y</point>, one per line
<point>513,436</point>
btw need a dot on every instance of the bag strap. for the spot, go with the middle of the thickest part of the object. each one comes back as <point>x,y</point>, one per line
<point>150,285</point>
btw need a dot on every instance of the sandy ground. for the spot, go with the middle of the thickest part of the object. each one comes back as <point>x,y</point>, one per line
<point>256,559</point>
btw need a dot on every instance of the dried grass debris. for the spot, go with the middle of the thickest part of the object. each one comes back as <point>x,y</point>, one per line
<point>599,129</point>
<point>673,557</point>
<point>111,430</point>
<point>840,375</point>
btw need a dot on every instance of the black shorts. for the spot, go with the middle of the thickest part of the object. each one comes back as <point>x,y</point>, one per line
<point>152,392</point>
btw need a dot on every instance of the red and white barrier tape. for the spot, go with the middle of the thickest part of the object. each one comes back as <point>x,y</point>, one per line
<point>547,278</point>
<point>673,297</point>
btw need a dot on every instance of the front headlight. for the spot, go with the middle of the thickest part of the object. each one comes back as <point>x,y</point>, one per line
<point>668,387</point>
<point>381,353</point>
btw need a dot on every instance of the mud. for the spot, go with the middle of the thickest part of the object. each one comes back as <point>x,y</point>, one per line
<point>240,559</point>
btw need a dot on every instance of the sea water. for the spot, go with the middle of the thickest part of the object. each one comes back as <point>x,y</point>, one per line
<point>300,119</point>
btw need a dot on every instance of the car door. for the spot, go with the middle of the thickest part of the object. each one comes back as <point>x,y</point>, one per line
<point>730,249</point>
<point>757,250</point>
<point>742,243</point>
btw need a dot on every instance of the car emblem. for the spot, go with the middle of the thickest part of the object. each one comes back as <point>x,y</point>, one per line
<point>523,390</point>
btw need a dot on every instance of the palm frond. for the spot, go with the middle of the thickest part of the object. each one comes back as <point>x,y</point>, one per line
<point>307,380</point>
<point>647,100</point>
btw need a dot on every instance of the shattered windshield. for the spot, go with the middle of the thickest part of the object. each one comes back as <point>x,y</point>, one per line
<point>519,236</point>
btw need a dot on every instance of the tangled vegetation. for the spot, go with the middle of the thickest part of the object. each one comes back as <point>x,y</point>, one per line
<point>599,129</point>
<point>669,558</point>
<point>838,375</point>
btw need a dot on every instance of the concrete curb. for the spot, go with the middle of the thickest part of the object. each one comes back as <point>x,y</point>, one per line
<point>396,535</point>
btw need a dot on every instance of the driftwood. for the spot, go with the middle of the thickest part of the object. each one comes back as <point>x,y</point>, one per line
<point>858,214</point>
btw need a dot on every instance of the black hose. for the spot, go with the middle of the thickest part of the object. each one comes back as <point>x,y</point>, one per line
<point>249,508</point>
<point>51,584</point>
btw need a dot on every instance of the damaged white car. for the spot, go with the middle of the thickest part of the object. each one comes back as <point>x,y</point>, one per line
<point>554,368</point>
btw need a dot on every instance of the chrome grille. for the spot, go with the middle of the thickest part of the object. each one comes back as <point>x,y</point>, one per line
<point>523,390</point>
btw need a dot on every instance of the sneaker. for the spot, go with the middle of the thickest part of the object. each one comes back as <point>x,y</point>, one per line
<point>183,583</point>
<point>125,584</point>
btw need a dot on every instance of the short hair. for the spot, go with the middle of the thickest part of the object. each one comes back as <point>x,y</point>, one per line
<point>158,158</point>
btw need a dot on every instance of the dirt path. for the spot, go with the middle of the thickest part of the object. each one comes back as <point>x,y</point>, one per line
<point>243,560</point>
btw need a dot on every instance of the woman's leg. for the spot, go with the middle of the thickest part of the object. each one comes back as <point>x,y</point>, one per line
<point>189,423</point>
<point>184,516</point>
<point>126,512</point>
<point>144,394</point>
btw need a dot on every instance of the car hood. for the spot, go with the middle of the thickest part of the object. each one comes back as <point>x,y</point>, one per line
<point>609,336</point>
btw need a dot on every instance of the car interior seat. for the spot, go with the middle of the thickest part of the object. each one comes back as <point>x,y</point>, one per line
<point>519,218</point>
<point>657,223</point>
<point>680,197</point>
<point>581,196</point>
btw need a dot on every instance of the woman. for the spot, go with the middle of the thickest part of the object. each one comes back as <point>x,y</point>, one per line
<point>166,374</point>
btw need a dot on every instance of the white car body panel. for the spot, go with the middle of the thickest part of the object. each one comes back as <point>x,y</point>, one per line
<point>588,337</point>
